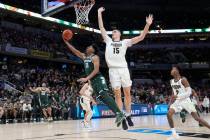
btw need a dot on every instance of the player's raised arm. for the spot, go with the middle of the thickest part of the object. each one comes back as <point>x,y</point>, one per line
<point>36,90</point>
<point>73,50</point>
<point>101,24</point>
<point>141,37</point>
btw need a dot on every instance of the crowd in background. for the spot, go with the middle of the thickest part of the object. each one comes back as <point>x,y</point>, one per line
<point>42,41</point>
<point>18,101</point>
<point>23,39</point>
<point>167,55</point>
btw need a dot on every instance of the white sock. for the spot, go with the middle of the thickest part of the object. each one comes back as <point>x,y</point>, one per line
<point>127,114</point>
<point>173,130</point>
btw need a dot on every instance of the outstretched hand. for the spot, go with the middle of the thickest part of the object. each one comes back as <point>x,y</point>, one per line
<point>149,19</point>
<point>64,39</point>
<point>101,9</point>
<point>82,80</point>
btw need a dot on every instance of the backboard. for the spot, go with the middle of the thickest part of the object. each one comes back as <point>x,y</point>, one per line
<point>50,7</point>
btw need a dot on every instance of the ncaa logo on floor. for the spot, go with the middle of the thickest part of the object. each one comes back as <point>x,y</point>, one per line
<point>168,133</point>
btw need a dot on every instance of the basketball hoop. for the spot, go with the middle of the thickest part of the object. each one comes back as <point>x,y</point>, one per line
<point>82,10</point>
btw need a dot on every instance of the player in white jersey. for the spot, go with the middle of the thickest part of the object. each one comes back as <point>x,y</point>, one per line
<point>115,57</point>
<point>85,101</point>
<point>181,95</point>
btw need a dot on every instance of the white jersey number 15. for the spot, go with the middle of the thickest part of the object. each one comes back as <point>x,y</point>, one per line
<point>116,50</point>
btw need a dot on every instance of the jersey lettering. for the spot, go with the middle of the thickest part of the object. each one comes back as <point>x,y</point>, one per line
<point>114,44</point>
<point>177,92</point>
<point>176,87</point>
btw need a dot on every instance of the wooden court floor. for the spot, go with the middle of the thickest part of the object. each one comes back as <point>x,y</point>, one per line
<point>146,128</point>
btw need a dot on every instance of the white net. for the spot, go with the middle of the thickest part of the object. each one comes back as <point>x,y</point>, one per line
<point>82,10</point>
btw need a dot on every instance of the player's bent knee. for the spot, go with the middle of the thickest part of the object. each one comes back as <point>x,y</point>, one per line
<point>103,94</point>
<point>170,113</point>
<point>117,90</point>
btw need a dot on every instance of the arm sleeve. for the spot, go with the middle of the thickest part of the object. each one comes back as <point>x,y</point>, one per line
<point>188,92</point>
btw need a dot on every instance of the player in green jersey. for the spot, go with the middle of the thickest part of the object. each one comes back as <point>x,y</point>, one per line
<point>98,82</point>
<point>43,94</point>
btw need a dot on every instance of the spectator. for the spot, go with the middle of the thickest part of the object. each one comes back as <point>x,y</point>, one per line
<point>206,104</point>
<point>17,111</point>
<point>1,110</point>
<point>152,99</point>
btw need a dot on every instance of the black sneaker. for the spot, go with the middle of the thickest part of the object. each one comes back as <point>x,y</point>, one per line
<point>119,118</point>
<point>124,125</point>
<point>129,120</point>
<point>183,120</point>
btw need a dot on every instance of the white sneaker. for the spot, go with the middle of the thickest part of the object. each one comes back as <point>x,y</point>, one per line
<point>174,136</point>
<point>86,124</point>
<point>51,119</point>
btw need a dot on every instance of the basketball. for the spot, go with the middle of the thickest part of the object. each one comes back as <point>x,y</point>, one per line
<point>67,34</point>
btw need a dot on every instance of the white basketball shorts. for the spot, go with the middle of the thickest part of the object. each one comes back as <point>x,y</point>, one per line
<point>119,77</point>
<point>186,104</point>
